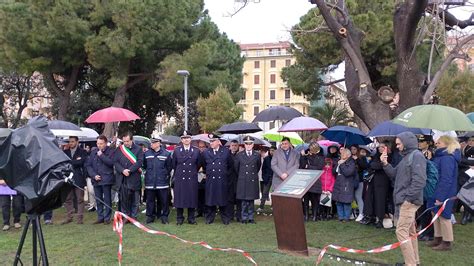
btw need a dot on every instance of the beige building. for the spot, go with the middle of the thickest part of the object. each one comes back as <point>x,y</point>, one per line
<point>262,83</point>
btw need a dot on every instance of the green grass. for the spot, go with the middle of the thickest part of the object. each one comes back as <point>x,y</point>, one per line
<point>89,244</point>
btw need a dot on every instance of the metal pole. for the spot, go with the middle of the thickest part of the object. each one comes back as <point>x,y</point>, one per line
<point>186,102</point>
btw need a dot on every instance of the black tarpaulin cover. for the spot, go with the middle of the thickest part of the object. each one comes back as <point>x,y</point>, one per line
<point>466,194</point>
<point>32,164</point>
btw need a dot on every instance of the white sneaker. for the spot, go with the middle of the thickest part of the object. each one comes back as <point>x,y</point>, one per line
<point>359,218</point>
<point>6,227</point>
<point>17,225</point>
<point>453,219</point>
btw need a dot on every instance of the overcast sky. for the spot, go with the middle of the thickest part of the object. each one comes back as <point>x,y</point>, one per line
<point>268,20</point>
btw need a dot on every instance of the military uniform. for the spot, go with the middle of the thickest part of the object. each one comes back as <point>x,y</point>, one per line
<point>218,164</point>
<point>247,165</point>
<point>186,161</point>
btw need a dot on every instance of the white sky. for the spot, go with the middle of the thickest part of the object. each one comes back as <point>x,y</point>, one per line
<point>270,20</point>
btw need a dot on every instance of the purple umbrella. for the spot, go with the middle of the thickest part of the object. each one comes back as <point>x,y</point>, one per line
<point>303,123</point>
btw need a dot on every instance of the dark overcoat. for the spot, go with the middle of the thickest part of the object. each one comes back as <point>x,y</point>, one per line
<point>186,165</point>
<point>218,166</point>
<point>78,162</point>
<point>133,181</point>
<point>102,166</point>
<point>313,162</point>
<point>344,187</point>
<point>247,168</point>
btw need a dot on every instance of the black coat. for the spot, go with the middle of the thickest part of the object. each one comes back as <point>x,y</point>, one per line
<point>218,167</point>
<point>313,162</point>
<point>186,166</point>
<point>344,187</point>
<point>78,162</point>
<point>247,168</point>
<point>102,166</point>
<point>133,181</point>
<point>380,178</point>
<point>267,172</point>
<point>233,177</point>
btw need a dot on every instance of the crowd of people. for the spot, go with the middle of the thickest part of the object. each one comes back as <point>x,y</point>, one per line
<point>373,186</point>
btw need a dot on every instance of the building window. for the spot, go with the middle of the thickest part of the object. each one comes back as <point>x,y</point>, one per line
<point>256,110</point>
<point>275,52</point>
<point>272,124</point>
<point>272,78</point>
<point>244,95</point>
<point>258,53</point>
<point>256,64</point>
<point>287,94</point>
<point>272,94</point>
<point>256,79</point>
<point>288,62</point>
<point>256,95</point>
<point>273,63</point>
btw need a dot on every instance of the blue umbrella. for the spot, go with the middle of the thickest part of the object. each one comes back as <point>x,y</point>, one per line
<point>390,129</point>
<point>346,135</point>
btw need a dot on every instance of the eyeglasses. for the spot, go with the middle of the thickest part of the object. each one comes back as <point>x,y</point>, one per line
<point>398,143</point>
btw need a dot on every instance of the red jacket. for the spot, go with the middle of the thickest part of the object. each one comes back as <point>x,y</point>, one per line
<point>327,178</point>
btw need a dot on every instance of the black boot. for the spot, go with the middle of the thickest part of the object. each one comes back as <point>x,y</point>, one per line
<point>305,212</point>
<point>465,217</point>
<point>315,213</point>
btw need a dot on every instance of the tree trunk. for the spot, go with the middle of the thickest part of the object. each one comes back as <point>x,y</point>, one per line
<point>63,105</point>
<point>119,100</point>
<point>409,77</point>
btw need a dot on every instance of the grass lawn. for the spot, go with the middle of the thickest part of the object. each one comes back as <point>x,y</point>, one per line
<point>89,244</point>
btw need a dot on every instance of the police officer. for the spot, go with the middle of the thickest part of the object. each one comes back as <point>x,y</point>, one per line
<point>218,164</point>
<point>186,161</point>
<point>157,165</point>
<point>128,163</point>
<point>247,165</point>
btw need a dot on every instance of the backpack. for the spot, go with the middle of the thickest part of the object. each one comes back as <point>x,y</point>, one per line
<point>431,177</point>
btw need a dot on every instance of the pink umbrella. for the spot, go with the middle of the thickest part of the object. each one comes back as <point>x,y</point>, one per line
<point>327,143</point>
<point>111,114</point>
<point>303,123</point>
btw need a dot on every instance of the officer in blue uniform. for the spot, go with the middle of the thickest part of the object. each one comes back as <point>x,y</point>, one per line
<point>218,165</point>
<point>157,165</point>
<point>247,165</point>
<point>186,161</point>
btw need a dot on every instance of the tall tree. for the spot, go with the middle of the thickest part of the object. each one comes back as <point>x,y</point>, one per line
<point>331,115</point>
<point>48,37</point>
<point>456,90</point>
<point>217,109</point>
<point>19,91</point>
<point>378,42</point>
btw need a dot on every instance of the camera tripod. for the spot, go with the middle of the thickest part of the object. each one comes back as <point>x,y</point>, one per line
<point>34,220</point>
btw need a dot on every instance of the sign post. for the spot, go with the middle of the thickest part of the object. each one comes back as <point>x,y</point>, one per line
<point>288,211</point>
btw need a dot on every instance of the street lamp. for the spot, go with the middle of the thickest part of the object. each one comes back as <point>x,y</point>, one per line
<point>185,73</point>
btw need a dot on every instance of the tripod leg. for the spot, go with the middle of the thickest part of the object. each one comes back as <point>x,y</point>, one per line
<point>22,241</point>
<point>44,255</point>
<point>35,242</point>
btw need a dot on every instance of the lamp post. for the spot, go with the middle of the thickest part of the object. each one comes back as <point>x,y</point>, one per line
<point>185,73</point>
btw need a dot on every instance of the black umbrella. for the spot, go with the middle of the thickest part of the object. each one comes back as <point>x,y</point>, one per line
<point>239,128</point>
<point>257,141</point>
<point>141,140</point>
<point>277,113</point>
<point>64,125</point>
<point>170,140</point>
<point>466,194</point>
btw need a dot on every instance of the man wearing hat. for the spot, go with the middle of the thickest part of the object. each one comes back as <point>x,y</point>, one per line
<point>157,164</point>
<point>186,161</point>
<point>247,165</point>
<point>218,165</point>
<point>425,146</point>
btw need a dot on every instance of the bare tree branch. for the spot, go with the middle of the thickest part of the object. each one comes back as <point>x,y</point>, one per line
<point>450,20</point>
<point>455,53</point>
<point>333,82</point>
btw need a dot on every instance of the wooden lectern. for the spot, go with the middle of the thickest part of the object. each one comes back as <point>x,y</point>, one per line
<point>288,211</point>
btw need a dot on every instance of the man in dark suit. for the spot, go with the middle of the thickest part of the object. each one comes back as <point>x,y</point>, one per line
<point>186,161</point>
<point>78,158</point>
<point>234,206</point>
<point>100,166</point>
<point>247,165</point>
<point>128,163</point>
<point>218,164</point>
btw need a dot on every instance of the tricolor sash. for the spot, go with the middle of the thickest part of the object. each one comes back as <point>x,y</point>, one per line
<point>129,155</point>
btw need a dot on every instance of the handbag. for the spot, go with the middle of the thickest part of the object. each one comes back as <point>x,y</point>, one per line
<point>326,200</point>
<point>367,178</point>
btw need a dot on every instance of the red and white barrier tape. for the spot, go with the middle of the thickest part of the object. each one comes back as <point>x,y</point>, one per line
<point>118,228</point>
<point>386,247</point>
